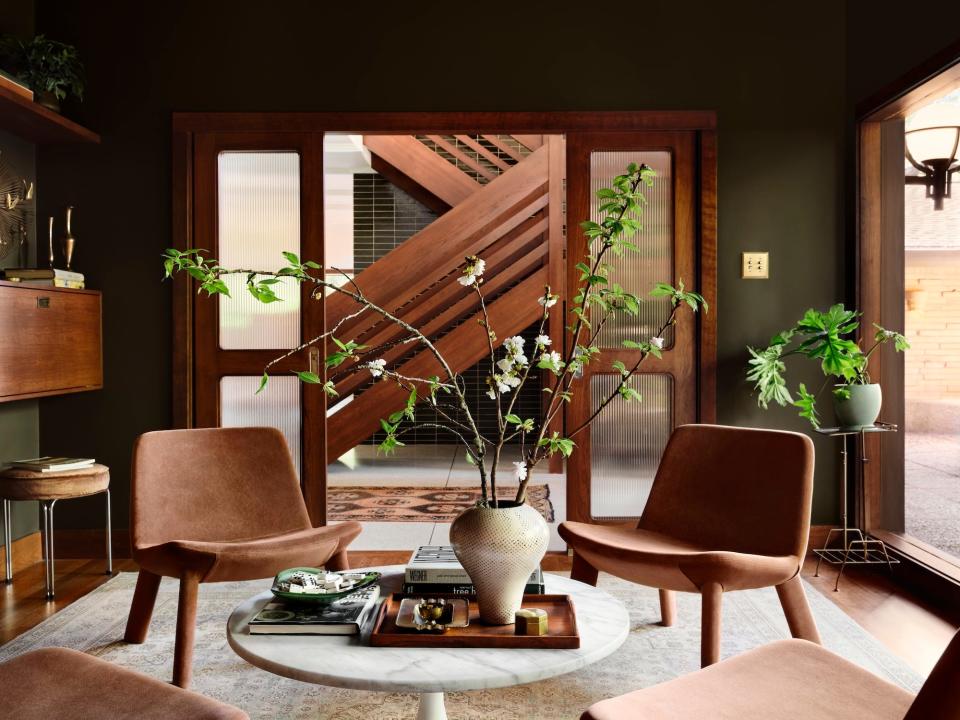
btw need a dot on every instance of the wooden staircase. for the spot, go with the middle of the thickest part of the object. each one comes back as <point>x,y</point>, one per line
<point>503,218</point>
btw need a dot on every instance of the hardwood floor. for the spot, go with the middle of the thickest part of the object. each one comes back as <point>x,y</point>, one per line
<point>910,627</point>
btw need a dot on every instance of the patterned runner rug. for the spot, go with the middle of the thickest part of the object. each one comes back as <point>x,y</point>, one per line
<point>651,654</point>
<point>420,504</point>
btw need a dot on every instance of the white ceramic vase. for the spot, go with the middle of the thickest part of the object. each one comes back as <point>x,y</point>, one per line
<point>499,548</point>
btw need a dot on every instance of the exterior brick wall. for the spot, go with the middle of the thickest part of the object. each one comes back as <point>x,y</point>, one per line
<point>932,366</point>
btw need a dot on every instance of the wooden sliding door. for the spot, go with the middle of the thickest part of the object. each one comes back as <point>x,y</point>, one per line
<point>255,197</point>
<point>611,472</point>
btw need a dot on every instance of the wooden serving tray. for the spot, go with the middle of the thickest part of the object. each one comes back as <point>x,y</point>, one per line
<point>562,631</point>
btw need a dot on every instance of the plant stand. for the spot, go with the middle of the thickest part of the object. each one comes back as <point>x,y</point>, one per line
<point>857,548</point>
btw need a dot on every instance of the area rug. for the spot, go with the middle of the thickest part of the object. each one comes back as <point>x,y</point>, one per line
<point>651,653</point>
<point>420,504</point>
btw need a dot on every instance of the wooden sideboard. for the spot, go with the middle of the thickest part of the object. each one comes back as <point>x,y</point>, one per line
<point>50,341</point>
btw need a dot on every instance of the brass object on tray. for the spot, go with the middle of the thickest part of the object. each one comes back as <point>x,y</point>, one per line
<point>531,621</point>
<point>433,615</point>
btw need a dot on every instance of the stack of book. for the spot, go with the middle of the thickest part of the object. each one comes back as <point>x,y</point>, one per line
<point>434,569</point>
<point>51,277</point>
<point>341,617</point>
<point>53,464</point>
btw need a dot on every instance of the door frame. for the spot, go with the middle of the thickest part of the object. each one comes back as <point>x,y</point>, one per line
<point>188,126</point>
<point>879,294</point>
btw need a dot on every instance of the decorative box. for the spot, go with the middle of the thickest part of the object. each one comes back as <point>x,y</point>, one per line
<point>530,621</point>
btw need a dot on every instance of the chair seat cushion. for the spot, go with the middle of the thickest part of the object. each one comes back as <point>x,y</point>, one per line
<point>785,679</point>
<point>250,558</point>
<point>69,685</point>
<point>657,560</point>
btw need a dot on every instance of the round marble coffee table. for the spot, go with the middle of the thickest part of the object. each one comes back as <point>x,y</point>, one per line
<point>351,662</point>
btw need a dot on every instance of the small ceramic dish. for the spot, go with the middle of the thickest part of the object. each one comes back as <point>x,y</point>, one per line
<point>358,581</point>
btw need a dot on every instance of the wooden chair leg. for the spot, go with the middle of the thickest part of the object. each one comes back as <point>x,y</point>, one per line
<point>338,561</point>
<point>710,623</point>
<point>582,570</point>
<point>141,609</point>
<point>186,629</point>
<point>795,607</point>
<point>668,607</point>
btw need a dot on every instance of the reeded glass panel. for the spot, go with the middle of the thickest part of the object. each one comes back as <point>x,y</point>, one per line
<point>277,406</point>
<point>258,219</point>
<point>639,272</point>
<point>627,440</point>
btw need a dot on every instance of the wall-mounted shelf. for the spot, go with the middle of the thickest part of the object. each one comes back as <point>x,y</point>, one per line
<point>36,123</point>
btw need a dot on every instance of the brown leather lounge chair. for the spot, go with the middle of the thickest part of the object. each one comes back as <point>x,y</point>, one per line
<point>218,504</point>
<point>69,685</point>
<point>790,679</point>
<point>729,510</point>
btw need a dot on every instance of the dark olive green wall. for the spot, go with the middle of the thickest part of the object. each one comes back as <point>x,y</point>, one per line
<point>775,75</point>
<point>19,421</point>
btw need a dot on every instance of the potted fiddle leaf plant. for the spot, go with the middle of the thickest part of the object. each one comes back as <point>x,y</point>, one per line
<point>52,69</point>
<point>826,337</point>
<point>501,540</point>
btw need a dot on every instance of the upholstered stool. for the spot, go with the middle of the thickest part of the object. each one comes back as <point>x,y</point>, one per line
<point>69,685</point>
<point>47,489</point>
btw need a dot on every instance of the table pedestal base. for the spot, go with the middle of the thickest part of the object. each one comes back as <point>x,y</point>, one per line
<point>431,707</point>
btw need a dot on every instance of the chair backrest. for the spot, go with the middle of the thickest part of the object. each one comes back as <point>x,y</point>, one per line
<point>213,484</point>
<point>939,698</point>
<point>731,488</point>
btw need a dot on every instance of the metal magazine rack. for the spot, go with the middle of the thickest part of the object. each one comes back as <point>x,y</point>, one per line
<point>856,548</point>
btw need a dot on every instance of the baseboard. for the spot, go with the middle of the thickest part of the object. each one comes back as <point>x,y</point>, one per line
<point>26,552</point>
<point>90,543</point>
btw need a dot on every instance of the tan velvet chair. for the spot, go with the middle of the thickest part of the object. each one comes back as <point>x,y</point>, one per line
<point>61,684</point>
<point>729,510</point>
<point>211,505</point>
<point>790,679</point>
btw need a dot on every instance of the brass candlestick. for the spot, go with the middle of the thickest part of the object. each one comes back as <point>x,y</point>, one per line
<point>69,241</point>
<point>51,240</point>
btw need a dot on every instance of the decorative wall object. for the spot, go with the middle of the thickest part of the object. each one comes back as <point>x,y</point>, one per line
<point>16,204</point>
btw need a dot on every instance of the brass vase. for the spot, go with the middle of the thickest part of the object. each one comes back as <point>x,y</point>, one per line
<point>69,241</point>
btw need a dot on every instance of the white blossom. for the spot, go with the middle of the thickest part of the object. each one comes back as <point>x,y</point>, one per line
<point>376,367</point>
<point>552,360</point>
<point>548,301</point>
<point>514,345</point>
<point>502,386</point>
<point>520,470</point>
<point>506,364</point>
<point>657,342</point>
<point>492,394</point>
<point>511,380</point>
<point>542,340</point>
<point>472,271</point>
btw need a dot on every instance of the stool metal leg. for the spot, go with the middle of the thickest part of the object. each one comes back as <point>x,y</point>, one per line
<point>109,537</point>
<point>8,540</point>
<point>48,544</point>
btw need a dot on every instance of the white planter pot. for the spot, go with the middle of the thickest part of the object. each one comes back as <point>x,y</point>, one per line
<point>861,409</point>
<point>499,548</point>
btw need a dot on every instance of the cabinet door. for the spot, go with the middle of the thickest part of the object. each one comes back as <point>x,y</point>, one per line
<point>49,341</point>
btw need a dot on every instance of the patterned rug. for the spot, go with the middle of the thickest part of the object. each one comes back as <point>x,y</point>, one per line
<point>420,504</point>
<point>651,653</point>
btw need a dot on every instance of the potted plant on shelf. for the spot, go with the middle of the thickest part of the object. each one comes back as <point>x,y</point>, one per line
<point>826,337</point>
<point>52,69</point>
<point>499,541</point>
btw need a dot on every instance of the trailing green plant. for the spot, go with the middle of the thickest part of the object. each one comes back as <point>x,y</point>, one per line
<point>823,336</point>
<point>596,300</point>
<point>45,65</point>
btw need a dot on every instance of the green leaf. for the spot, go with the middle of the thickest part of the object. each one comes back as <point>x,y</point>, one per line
<point>263,383</point>
<point>512,419</point>
<point>808,406</point>
<point>309,377</point>
<point>291,258</point>
<point>628,393</point>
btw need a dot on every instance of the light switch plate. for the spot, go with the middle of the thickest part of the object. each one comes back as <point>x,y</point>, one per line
<point>756,266</point>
